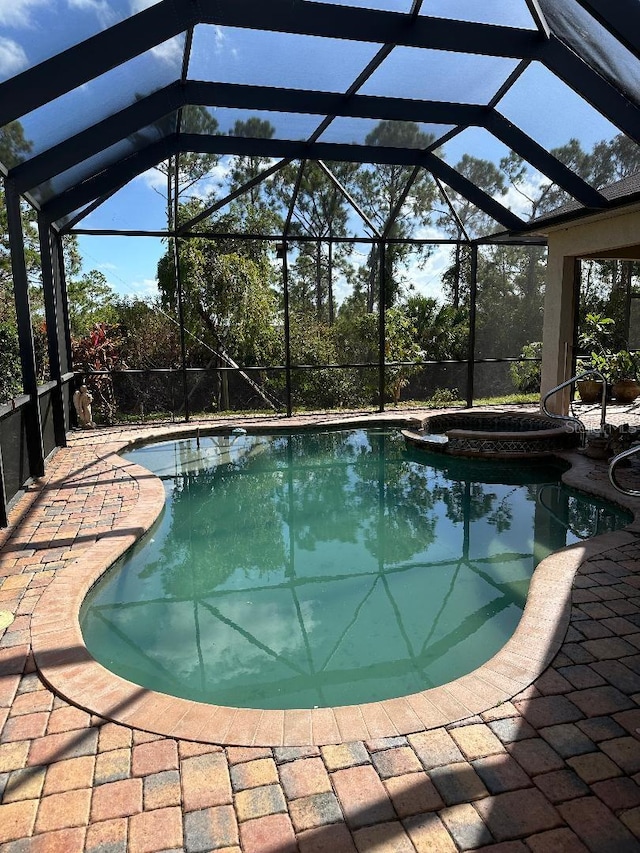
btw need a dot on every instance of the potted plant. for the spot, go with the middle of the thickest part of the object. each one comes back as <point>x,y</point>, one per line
<point>622,373</point>
<point>594,339</point>
<point>590,388</point>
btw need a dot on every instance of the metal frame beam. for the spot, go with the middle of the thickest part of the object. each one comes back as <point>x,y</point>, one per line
<point>538,16</point>
<point>155,24</point>
<point>358,83</point>
<point>620,18</point>
<point>586,82</point>
<point>454,213</point>
<point>237,193</point>
<point>96,55</point>
<point>541,159</point>
<point>35,446</point>
<point>395,211</point>
<point>55,326</point>
<point>153,108</point>
<point>66,352</point>
<point>382,322</point>
<point>108,132</point>
<point>294,198</point>
<point>97,138</point>
<point>82,214</point>
<point>473,299</point>
<point>90,58</point>
<point>4,518</point>
<point>368,25</point>
<point>112,178</point>
<point>348,197</point>
<point>153,154</point>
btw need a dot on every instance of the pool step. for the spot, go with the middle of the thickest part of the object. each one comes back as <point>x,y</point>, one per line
<point>437,442</point>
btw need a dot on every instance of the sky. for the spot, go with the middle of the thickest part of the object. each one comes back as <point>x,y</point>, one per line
<point>33,30</point>
<point>130,263</point>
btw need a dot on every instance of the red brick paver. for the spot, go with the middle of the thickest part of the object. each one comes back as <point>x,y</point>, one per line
<point>554,765</point>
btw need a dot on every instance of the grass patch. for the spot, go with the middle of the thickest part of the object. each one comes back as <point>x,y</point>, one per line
<point>509,399</point>
<point>442,399</point>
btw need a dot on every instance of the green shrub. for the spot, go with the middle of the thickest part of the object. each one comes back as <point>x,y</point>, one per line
<point>10,369</point>
<point>442,398</point>
<point>525,375</point>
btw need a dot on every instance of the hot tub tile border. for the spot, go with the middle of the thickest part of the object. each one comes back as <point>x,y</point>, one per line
<point>68,669</point>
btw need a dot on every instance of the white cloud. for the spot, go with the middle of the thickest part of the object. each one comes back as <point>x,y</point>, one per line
<point>12,58</point>
<point>170,52</point>
<point>210,183</point>
<point>143,289</point>
<point>431,231</point>
<point>219,38</point>
<point>139,5</point>
<point>18,13</point>
<point>427,280</point>
<point>22,13</point>
<point>213,183</point>
<point>516,201</point>
<point>103,11</point>
<point>154,180</point>
<point>227,653</point>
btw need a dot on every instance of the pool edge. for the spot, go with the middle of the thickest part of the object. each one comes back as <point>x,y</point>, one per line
<point>66,666</point>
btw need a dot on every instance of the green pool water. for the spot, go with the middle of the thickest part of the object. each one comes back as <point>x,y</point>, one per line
<point>317,569</point>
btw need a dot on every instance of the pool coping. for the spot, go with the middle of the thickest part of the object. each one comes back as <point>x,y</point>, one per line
<point>67,667</point>
<point>468,434</point>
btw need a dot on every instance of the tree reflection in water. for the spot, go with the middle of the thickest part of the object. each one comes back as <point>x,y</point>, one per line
<point>327,568</point>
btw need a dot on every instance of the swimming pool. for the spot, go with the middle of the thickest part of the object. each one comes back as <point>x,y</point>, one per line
<point>320,569</point>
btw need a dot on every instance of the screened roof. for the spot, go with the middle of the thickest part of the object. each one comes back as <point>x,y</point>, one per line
<point>99,87</point>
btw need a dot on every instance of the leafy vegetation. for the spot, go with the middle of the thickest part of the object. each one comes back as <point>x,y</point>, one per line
<point>231,292</point>
<point>526,374</point>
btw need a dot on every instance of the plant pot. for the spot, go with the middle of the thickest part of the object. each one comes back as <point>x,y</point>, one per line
<point>626,390</point>
<point>590,390</point>
<point>597,448</point>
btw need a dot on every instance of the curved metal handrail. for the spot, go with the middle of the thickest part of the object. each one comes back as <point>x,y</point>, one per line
<point>561,521</point>
<point>612,467</point>
<point>571,418</point>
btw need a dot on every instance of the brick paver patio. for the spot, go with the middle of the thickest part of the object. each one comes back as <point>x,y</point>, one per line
<point>554,767</point>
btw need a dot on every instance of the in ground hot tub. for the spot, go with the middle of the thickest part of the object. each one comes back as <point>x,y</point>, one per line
<point>499,434</point>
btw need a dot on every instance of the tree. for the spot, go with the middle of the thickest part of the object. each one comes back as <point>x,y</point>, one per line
<point>91,301</point>
<point>314,342</point>
<point>10,372</point>
<point>97,355</point>
<point>509,308</point>
<point>192,167</point>
<point>615,159</point>
<point>612,161</point>
<point>247,167</point>
<point>229,301</point>
<point>380,190</point>
<point>469,221</point>
<point>321,211</point>
<point>150,337</point>
<point>525,375</point>
<point>230,297</point>
<point>546,196</point>
<point>400,346</point>
<point>442,331</point>
<point>357,340</point>
<point>398,521</point>
<point>14,147</point>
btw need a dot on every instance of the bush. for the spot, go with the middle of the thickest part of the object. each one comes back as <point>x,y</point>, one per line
<point>442,398</point>
<point>10,369</point>
<point>525,375</point>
